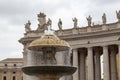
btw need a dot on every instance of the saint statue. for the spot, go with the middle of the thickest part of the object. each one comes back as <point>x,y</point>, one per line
<point>42,22</point>
<point>75,22</point>
<point>49,22</point>
<point>60,24</point>
<point>89,19</point>
<point>104,18</point>
<point>27,27</point>
<point>118,15</point>
<point>41,19</point>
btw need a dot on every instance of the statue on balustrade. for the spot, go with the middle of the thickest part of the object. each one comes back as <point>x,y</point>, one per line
<point>42,22</point>
<point>118,15</point>
<point>49,23</point>
<point>89,19</point>
<point>60,24</point>
<point>104,18</point>
<point>27,26</point>
<point>75,20</point>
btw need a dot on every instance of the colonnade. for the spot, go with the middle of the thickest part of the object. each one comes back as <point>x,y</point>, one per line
<point>88,63</point>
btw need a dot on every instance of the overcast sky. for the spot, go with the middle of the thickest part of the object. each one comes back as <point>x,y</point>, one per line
<point>15,13</point>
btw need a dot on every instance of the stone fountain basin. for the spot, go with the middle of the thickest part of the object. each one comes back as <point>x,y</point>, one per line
<point>41,70</point>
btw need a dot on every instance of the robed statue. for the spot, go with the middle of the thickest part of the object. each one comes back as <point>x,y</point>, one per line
<point>104,18</point>
<point>49,23</point>
<point>118,15</point>
<point>60,24</point>
<point>27,26</point>
<point>75,20</point>
<point>89,19</point>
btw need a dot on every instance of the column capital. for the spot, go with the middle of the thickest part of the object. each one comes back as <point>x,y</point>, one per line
<point>74,50</point>
<point>89,47</point>
<point>105,46</point>
<point>118,45</point>
<point>97,49</point>
<point>83,50</point>
<point>113,49</point>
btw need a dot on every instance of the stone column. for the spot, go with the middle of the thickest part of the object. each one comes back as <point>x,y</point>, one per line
<point>75,63</point>
<point>119,60</point>
<point>82,65</point>
<point>97,65</point>
<point>113,64</point>
<point>90,64</point>
<point>106,63</point>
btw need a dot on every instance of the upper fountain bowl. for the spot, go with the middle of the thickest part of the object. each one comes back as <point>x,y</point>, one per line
<point>48,41</point>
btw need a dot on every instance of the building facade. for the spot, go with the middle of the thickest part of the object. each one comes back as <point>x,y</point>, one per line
<point>89,44</point>
<point>10,69</point>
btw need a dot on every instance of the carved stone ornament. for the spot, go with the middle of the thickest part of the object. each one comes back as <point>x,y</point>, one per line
<point>104,18</point>
<point>75,20</point>
<point>27,27</point>
<point>118,15</point>
<point>60,24</point>
<point>89,19</point>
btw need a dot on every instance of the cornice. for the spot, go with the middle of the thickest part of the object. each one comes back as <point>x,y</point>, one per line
<point>77,36</point>
<point>98,34</point>
<point>87,35</point>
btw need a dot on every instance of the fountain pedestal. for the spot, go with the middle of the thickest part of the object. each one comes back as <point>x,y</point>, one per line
<point>48,68</point>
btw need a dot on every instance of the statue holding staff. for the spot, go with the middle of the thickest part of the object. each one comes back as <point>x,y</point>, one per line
<point>60,24</point>
<point>89,19</point>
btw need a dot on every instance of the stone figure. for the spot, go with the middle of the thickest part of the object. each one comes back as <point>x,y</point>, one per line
<point>89,19</point>
<point>60,24</point>
<point>104,18</point>
<point>41,19</point>
<point>118,15</point>
<point>75,22</point>
<point>42,22</point>
<point>93,24</point>
<point>27,27</point>
<point>49,22</point>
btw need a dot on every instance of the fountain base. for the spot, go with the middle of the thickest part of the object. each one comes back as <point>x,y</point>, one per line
<point>42,70</point>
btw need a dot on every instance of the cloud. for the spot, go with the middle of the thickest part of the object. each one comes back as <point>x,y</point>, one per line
<point>15,13</point>
<point>105,2</point>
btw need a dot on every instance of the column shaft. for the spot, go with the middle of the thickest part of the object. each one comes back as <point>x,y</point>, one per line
<point>97,66</point>
<point>75,63</point>
<point>113,66</point>
<point>106,63</point>
<point>119,61</point>
<point>90,65</point>
<point>82,66</point>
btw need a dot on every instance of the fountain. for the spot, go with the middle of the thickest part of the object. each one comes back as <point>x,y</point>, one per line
<point>44,62</point>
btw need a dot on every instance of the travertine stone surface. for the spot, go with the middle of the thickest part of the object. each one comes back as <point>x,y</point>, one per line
<point>106,63</point>
<point>107,34</point>
<point>90,64</point>
<point>75,63</point>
